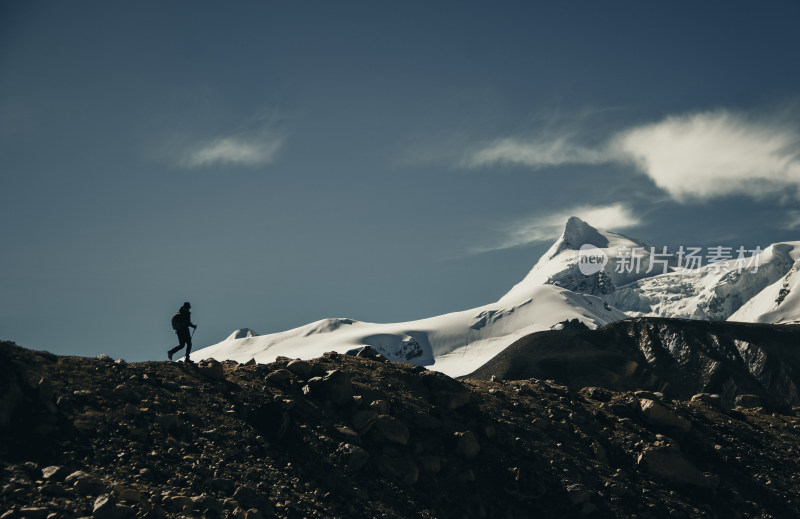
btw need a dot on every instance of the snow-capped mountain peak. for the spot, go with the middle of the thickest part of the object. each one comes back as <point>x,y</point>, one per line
<point>578,233</point>
<point>628,278</point>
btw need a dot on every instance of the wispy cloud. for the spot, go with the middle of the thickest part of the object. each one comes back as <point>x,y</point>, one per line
<point>613,217</point>
<point>552,151</point>
<point>245,149</point>
<point>695,156</point>
<point>711,154</point>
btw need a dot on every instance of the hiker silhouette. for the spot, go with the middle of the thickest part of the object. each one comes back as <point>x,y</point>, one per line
<point>181,322</point>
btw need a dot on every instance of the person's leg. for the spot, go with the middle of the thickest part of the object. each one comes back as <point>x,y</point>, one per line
<point>175,350</point>
<point>183,337</point>
<point>188,345</point>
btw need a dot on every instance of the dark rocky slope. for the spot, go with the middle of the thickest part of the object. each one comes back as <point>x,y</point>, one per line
<point>359,437</point>
<point>678,357</point>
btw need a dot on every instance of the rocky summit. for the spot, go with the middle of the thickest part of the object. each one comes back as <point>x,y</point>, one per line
<point>357,436</point>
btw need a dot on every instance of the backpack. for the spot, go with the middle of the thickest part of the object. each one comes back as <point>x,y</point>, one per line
<point>176,321</point>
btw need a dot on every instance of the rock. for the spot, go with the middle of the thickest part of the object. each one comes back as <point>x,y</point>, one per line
<point>9,403</point>
<point>747,401</point>
<point>280,377</point>
<point>352,457</point>
<point>338,387</point>
<point>105,507</point>
<point>125,393</point>
<point>380,406</point>
<point>649,395</point>
<point>181,503</point>
<point>369,352</point>
<point>130,410</point>
<point>364,420</point>
<point>425,421</point>
<point>210,503</point>
<point>541,423</point>
<point>467,444</point>
<point>711,399</point>
<point>55,473</point>
<point>253,514</point>
<point>447,392</point>
<point>83,483</point>
<point>53,490</point>
<point>211,368</point>
<point>599,452</point>
<point>600,394</point>
<point>129,494</point>
<point>347,434</point>
<point>430,463</point>
<point>301,368</point>
<point>578,494</point>
<point>33,512</point>
<point>248,497</point>
<point>402,469</point>
<point>46,393</point>
<point>391,429</point>
<point>224,484</point>
<point>168,422</point>
<point>669,463</point>
<point>660,416</point>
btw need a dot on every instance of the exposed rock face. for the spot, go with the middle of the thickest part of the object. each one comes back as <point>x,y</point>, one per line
<point>360,437</point>
<point>677,357</point>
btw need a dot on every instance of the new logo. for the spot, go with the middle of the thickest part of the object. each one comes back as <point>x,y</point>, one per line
<point>591,260</point>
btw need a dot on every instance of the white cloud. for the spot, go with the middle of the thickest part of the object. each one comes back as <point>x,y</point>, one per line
<point>238,150</point>
<point>695,156</point>
<point>552,151</point>
<point>614,217</point>
<point>713,154</point>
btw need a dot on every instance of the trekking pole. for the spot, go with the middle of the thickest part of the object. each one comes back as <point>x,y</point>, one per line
<point>194,330</point>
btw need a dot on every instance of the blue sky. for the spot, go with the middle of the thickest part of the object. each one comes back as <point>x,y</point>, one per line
<point>276,163</point>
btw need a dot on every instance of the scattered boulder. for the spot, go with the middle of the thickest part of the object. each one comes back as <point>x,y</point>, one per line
<point>578,493</point>
<point>392,430</point>
<point>430,463</point>
<point>338,387</point>
<point>125,393</point>
<point>446,391</point>
<point>748,401</point>
<point>669,463</point>
<point>34,512</point>
<point>467,444</point>
<point>301,368</point>
<point>364,420</point>
<point>712,399</point>
<point>105,507</point>
<point>351,457</point>
<point>168,422</point>
<point>402,469</point>
<point>55,473</point>
<point>9,401</point>
<point>660,416</point>
<point>211,368</point>
<point>280,377</point>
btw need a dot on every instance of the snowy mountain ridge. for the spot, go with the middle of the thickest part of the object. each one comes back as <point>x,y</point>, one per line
<point>635,279</point>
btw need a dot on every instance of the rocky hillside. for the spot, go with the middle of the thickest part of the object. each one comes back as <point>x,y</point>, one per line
<point>678,357</point>
<point>359,437</point>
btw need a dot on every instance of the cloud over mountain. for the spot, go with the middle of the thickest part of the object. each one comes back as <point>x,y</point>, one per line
<point>692,157</point>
